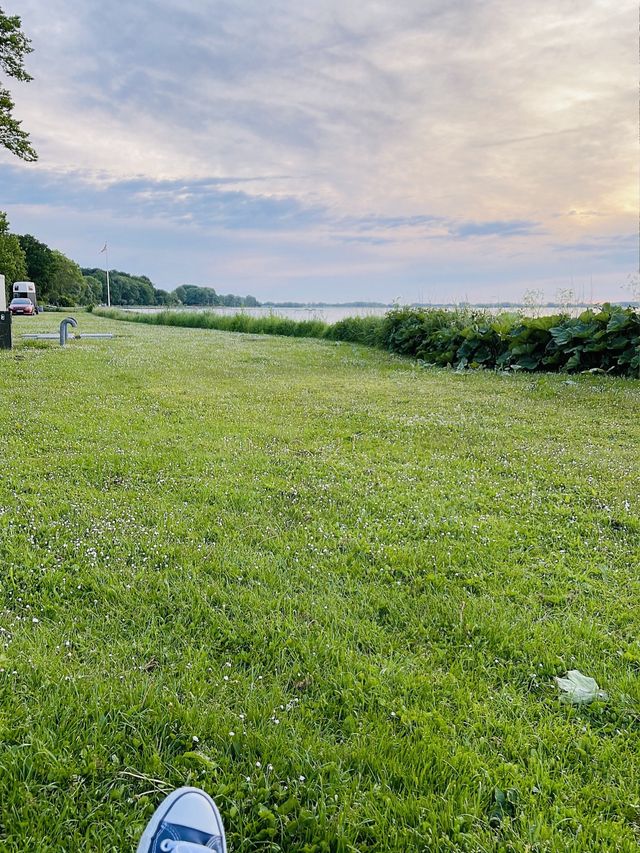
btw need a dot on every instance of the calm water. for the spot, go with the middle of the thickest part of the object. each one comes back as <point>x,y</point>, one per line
<point>334,313</point>
<point>329,315</point>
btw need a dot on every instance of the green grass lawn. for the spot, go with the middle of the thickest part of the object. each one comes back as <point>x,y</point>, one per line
<point>329,586</point>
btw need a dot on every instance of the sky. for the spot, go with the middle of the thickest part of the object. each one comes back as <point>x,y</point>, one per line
<point>335,150</point>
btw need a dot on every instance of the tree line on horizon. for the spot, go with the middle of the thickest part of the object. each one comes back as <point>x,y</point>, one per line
<point>61,282</point>
<point>127,289</point>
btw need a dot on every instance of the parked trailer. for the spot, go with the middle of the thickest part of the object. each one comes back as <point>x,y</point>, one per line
<point>25,290</point>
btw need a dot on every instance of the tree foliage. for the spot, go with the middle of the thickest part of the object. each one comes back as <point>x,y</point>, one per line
<point>191,294</point>
<point>66,285</point>
<point>13,264</point>
<point>125,289</point>
<point>58,279</point>
<point>14,46</point>
<point>40,263</point>
<point>94,289</point>
<point>164,297</point>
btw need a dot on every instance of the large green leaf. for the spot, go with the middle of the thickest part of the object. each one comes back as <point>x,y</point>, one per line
<point>561,335</point>
<point>574,361</point>
<point>528,362</point>
<point>620,320</point>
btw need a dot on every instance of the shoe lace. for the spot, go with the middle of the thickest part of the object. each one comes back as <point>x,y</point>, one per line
<point>184,847</point>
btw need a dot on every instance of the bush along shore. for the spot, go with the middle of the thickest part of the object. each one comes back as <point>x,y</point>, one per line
<point>600,340</point>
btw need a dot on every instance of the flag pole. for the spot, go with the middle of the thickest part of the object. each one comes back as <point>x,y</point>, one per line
<point>105,249</point>
<point>106,255</point>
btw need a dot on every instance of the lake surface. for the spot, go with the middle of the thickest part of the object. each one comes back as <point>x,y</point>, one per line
<point>333,313</point>
<point>330,314</point>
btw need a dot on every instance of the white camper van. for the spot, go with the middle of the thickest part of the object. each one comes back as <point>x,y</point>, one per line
<point>25,290</point>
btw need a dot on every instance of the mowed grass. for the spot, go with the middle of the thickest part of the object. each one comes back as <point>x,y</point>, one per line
<point>325,584</point>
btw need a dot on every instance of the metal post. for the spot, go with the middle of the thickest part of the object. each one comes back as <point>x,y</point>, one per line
<point>105,249</point>
<point>108,287</point>
<point>5,318</point>
<point>64,329</point>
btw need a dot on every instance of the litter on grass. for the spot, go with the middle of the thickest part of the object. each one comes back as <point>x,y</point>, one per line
<point>578,689</point>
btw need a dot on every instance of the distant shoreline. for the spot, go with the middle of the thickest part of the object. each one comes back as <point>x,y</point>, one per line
<point>624,303</point>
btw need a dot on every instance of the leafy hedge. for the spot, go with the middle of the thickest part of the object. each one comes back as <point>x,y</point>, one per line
<point>603,340</point>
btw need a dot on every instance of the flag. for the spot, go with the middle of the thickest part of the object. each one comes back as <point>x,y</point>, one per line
<point>103,249</point>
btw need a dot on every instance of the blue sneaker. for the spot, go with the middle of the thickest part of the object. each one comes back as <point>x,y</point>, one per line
<point>187,821</point>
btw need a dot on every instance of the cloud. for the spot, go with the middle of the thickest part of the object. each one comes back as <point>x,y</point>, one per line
<point>366,241</point>
<point>222,203</point>
<point>614,246</point>
<point>207,202</point>
<point>388,223</point>
<point>515,227</point>
<point>415,133</point>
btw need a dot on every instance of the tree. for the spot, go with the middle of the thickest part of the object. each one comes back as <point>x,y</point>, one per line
<point>125,289</point>
<point>164,298</point>
<point>192,294</point>
<point>67,285</point>
<point>13,263</point>
<point>94,290</point>
<point>95,274</point>
<point>40,264</point>
<point>14,46</point>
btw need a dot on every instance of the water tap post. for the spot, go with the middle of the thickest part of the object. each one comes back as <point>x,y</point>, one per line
<point>64,329</point>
